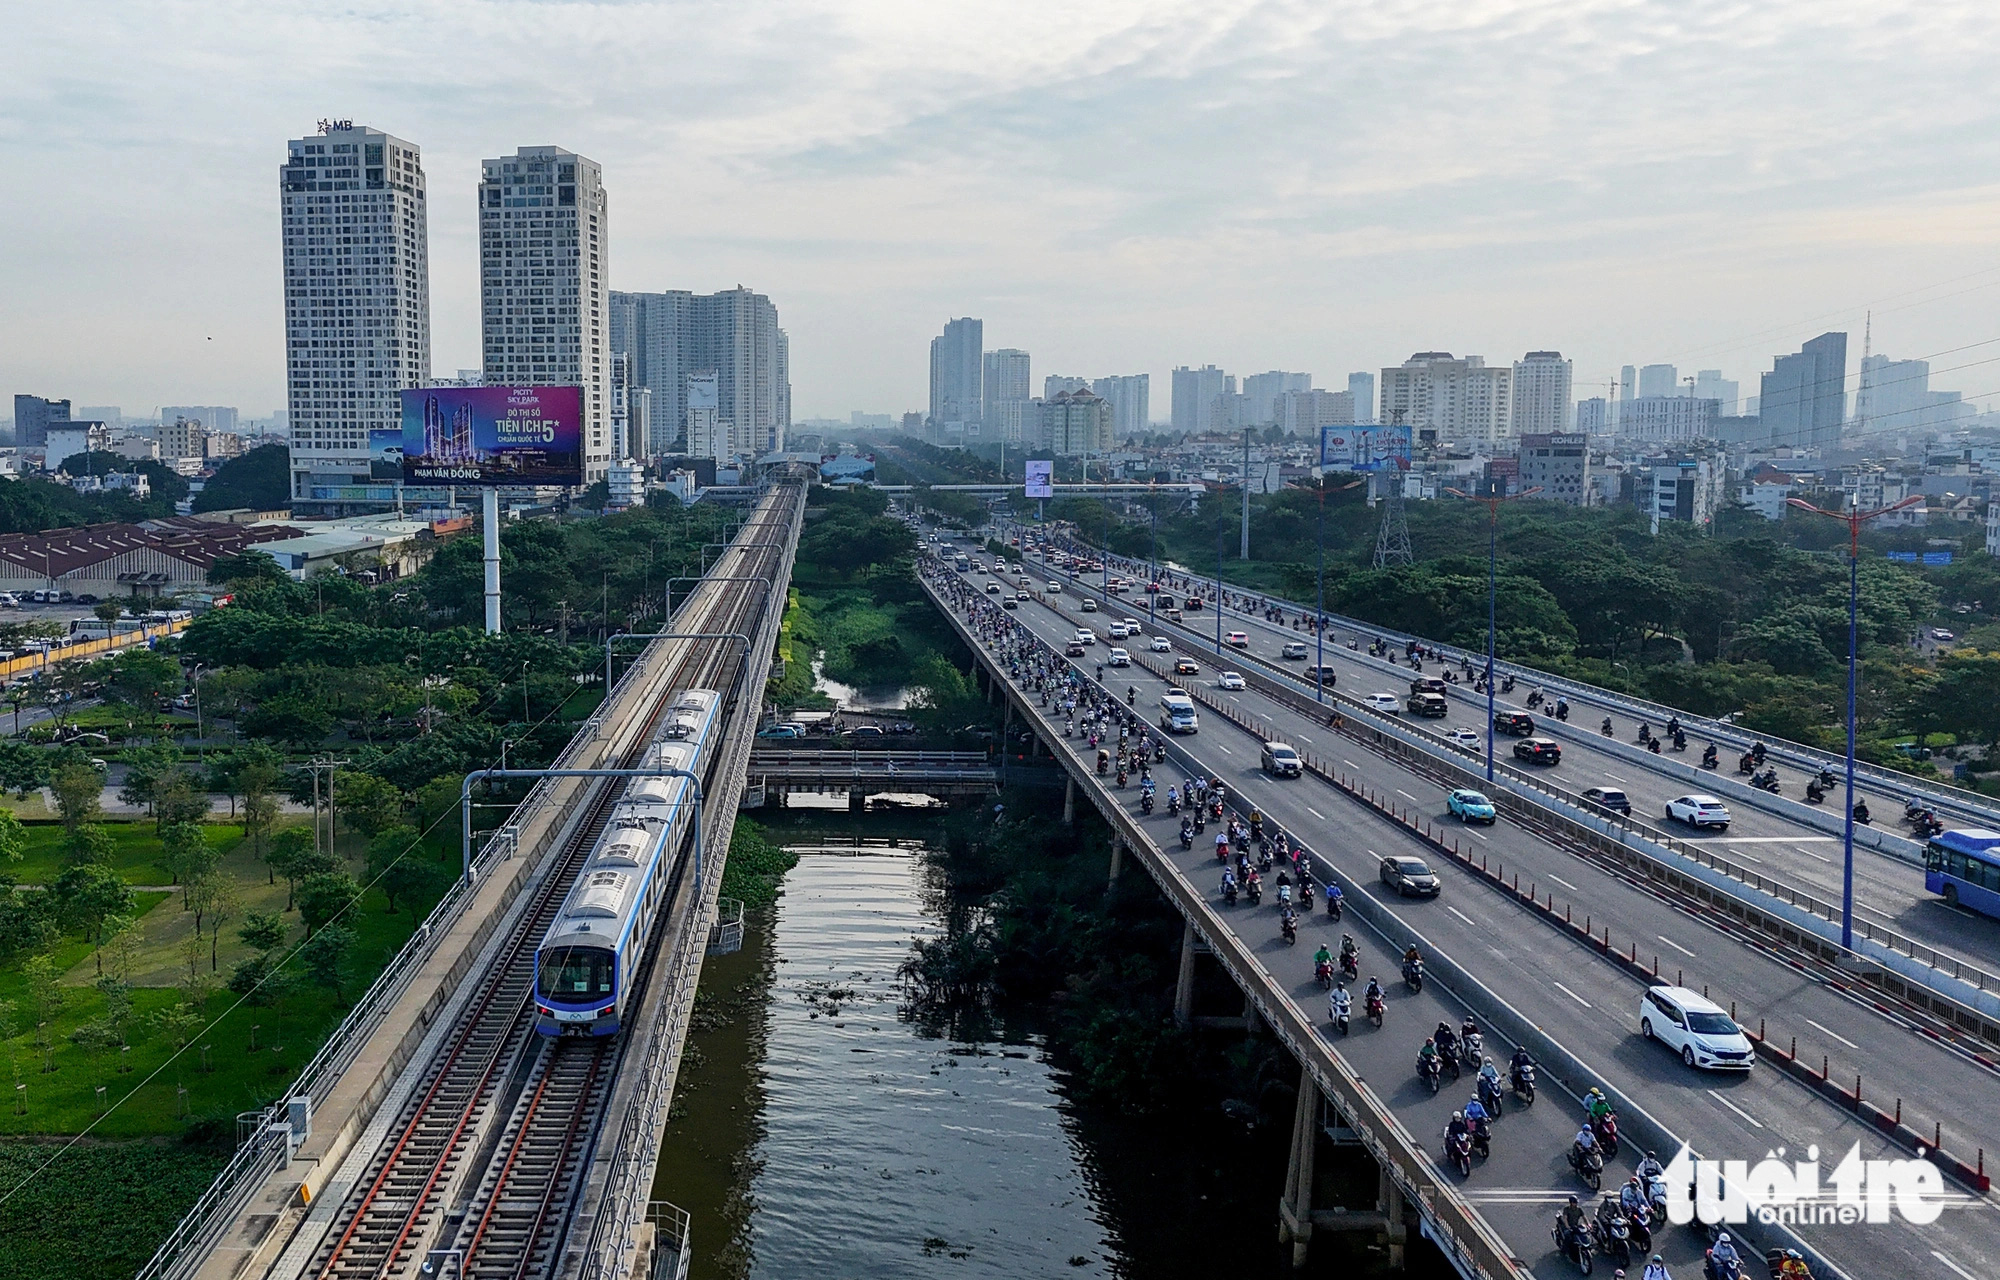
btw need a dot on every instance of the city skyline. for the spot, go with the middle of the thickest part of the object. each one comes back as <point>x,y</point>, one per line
<point>1800,196</point>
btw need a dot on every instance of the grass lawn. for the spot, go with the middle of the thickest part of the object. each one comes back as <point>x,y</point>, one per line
<point>137,859</point>
<point>100,1209</point>
<point>243,1057</point>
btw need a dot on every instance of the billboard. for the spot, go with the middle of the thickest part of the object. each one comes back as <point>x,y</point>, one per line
<point>1041,478</point>
<point>493,435</point>
<point>385,453</point>
<point>1365,448</point>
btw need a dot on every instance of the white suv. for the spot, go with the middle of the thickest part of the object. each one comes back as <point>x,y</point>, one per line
<point>1689,1022</point>
<point>1699,811</point>
<point>1084,635</point>
<point>1383,702</point>
<point>1118,658</point>
<point>1162,645</point>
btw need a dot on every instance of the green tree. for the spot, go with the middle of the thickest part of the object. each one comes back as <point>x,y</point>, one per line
<point>77,788</point>
<point>325,957</point>
<point>108,612</point>
<point>324,897</point>
<point>140,678</point>
<point>295,856</point>
<point>178,1023</point>
<point>259,479</point>
<point>263,930</point>
<point>177,799</point>
<point>89,845</point>
<point>398,865</point>
<point>185,850</point>
<point>13,837</point>
<point>89,895</point>
<point>370,804</point>
<point>144,768</point>
<point>117,994</point>
<point>46,999</point>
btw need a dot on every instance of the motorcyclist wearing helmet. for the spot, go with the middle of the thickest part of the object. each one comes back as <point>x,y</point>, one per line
<point>1657,1269</point>
<point>1632,1196</point>
<point>1321,956</point>
<point>1458,1128</point>
<point>1348,949</point>
<point>1475,1115</point>
<point>1427,1055</point>
<point>1724,1252</point>
<point>1793,1266</point>
<point>1585,1142</point>
<point>1649,1169</point>
<point>1596,1104</point>
<point>1339,1003</point>
<point>1374,989</point>
<point>1447,1040</point>
<point>1570,1219</point>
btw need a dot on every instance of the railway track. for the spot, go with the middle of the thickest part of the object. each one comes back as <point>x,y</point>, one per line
<point>412,1195</point>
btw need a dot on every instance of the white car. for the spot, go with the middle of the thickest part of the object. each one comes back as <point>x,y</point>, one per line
<point>1386,703</point>
<point>1465,739</point>
<point>1084,635</point>
<point>1055,588</point>
<point>1237,640</point>
<point>1132,627</point>
<point>1117,631</point>
<point>1699,811</point>
<point>1230,680</point>
<point>1696,1027</point>
<point>1118,658</point>
<point>1162,645</point>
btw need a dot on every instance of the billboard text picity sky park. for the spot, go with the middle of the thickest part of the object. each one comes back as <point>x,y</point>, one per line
<point>493,435</point>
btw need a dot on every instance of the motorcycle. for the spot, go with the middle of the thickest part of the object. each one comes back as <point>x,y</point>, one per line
<point>1103,763</point>
<point>1173,804</point>
<point>1350,964</point>
<point>1229,891</point>
<point>1340,1021</point>
<point>1746,763</point>
<point>1573,1244</point>
<point>1814,792</point>
<point>1826,777</point>
<point>1254,891</point>
<point>1323,974</point>
<point>1489,1094</point>
<point>1680,742</point>
<point>1606,728</point>
<point>1861,812</point>
<point>1523,1080</point>
<point>1765,781</point>
<point>1708,757</point>
<point>1290,928</point>
<point>1375,1011</point>
<point>1716,1270</point>
<point>1653,744</point>
<point>1606,1129</point>
<point>1333,907</point>
<point>1146,802</point>
<point>1472,1050</point>
<point>1430,1072</point>
<point>1562,711</point>
<point>1588,1165</point>
<point>1200,820</point>
<point>1614,1236</point>
<point>1639,1220</point>
<point>1458,1153</point>
<point>1159,753</point>
<point>1413,975</point>
<point>1482,1139</point>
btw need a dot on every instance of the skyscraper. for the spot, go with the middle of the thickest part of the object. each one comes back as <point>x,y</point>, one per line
<point>1004,376</point>
<point>957,369</point>
<point>1075,423</point>
<point>1463,400</point>
<point>1128,394</point>
<point>1362,387</point>
<point>1541,393</point>
<point>1262,391</point>
<point>1196,392</point>
<point>357,298</point>
<point>1709,384</point>
<point>544,236</point>
<point>1803,400</point>
<point>32,416</point>
<point>1628,388</point>
<point>733,335</point>
<point>1659,380</point>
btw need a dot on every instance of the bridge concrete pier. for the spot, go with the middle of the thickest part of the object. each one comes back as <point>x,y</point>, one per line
<point>1184,984</point>
<point>1069,801</point>
<point>1295,1212</point>
<point>857,801</point>
<point>1117,860</point>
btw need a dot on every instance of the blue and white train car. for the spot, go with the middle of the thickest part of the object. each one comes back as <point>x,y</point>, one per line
<point>593,948</point>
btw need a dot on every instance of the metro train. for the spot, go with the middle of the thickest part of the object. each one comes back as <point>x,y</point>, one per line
<point>594,946</point>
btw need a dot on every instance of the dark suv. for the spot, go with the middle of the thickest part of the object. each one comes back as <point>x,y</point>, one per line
<point>1539,751</point>
<point>1518,723</point>
<point>1410,877</point>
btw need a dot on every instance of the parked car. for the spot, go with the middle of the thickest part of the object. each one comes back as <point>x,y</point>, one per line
<point>1410,877</point>
<point>1281,761</point>
<point>1539,751</point>
<point>1471,806</point>
<point>1699,811</point>
<point>1230,680</point>
<point>1518,723</point>
<point>1611,798</point>
<point>1383,702</point>
<point>1687,1021</point>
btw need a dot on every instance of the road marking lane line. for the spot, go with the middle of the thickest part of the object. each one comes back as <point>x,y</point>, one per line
<point>1461,915</point>
<point>1225,750</point>
<point>1475,835</point>
<point>1675,945</point>
<point>1953,1265</point>
<point>1574,996</point>
<point>1565,884</point>
<point>1407,796</point>
<point>1620,781</point>
<point>1810,854</point>
<point>1835,1034</point>
<point>1738,1110</point>
<point>1316,813</point>
<point>1303,738</point>
<point>1350,764</point>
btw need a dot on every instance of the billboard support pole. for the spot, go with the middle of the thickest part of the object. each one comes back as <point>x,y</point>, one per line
<point>490,499</point>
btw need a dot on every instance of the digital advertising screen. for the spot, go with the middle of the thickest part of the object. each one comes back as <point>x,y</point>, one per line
<point>493,435</point>
<point>385,453</point>
<point>1041,478</point>
<point>1365,448</point>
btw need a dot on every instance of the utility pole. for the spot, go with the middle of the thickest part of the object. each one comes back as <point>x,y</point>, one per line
<point>1244,553</point>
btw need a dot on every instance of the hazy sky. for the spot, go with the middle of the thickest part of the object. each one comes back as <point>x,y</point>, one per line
<point>1116,186</point>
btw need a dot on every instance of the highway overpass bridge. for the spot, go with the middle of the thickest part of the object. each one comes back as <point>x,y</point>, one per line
<point>1549,928</point>
<point>435,1133</point>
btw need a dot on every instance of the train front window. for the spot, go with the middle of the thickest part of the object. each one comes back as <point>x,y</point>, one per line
<point>575,973</point>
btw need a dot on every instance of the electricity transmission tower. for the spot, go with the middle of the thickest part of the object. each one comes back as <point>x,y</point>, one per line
<point>1392,542</point>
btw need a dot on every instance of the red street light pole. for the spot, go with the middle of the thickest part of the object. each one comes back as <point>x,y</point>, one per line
<point>1854,520</point>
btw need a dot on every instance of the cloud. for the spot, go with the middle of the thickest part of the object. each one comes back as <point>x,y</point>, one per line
<point>1119,186</point>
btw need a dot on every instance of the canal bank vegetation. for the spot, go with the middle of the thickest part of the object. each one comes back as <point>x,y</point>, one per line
<point>1032,934</point>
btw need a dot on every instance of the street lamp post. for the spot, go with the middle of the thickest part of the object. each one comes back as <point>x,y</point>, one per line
<point>1221,533</point>
<point>1492,501</point>
<point>1319,602</point>
<point>1854,519</point>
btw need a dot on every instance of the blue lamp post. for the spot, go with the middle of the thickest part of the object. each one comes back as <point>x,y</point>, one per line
<point>1492,500</point>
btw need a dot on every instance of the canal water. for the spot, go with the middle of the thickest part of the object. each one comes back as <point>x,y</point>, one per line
<point>819,1133</point>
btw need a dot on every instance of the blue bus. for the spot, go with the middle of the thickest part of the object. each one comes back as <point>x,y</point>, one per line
<point>1964,866</point>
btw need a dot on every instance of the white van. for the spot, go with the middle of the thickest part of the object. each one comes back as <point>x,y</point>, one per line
<point>1177,714</point>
